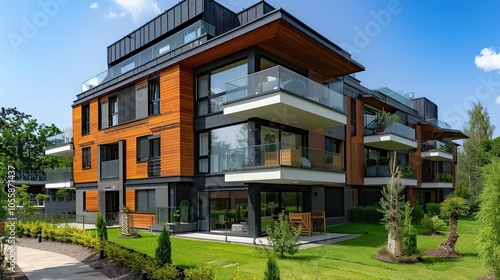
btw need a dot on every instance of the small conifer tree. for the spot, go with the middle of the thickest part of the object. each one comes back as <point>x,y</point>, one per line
<point>164,250</point>
<point>272,270</point>
<point>409,232</point>
<point>100,224</point>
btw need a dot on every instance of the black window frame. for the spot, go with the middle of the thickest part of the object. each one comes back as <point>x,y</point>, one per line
<point>111,110</point>
<point>151,153</point>
<point>86,119</point>
<point>86,158</point>
<point>149,202</point>
<point>153,100</point>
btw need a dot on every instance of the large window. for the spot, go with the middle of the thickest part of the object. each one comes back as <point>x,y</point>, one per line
<point>154,97</point>
<point>85,119</point>
<point>223,139</point>
<point>211,86</point>
<point>145,201</point>
<point>203,152</point>
<point>148,147</point>
<point>86,158</point>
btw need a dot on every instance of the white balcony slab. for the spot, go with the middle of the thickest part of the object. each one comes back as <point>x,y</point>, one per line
<point>284,175</point>
<point>285,108</point>
<point>65,150</point>
<point>437,156</point>
<point>382,181</point>
<point>59,185</point>
<point>437,185</point>
<point>390,142</point>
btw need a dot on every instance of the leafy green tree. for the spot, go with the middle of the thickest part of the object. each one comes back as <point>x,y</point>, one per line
<point>409,232</point>
<point>489,218</point>
<point>453,206</point>
<point>100,224</point>
<point>434,223</point>
<point>272,270</point>
<point>23,141</point>
<point>283,237</point>
<point>392,206</point>
<point>473,155</point>
<point>25,205</point>
<point>163,252</point>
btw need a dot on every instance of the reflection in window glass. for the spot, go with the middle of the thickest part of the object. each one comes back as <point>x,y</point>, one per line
<point>223,139</point>
<point>219,77</point>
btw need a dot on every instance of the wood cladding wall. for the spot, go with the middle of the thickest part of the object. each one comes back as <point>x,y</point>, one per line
<point>174,125</point>
<point>91,201</point>
<point>130,199</point>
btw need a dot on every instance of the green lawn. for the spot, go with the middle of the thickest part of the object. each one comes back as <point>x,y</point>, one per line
<point>352,259</point>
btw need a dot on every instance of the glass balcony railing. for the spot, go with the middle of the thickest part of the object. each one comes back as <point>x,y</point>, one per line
<point>177,40</point>
<point>109,169</point>
<point>394,128</point>
<point>435,145</point>
<point>279,154</point>
<point>439,123</point>
<point>280,78</point>
<point>60,139</point>
<point>60,174</point>
<point>396,96</point>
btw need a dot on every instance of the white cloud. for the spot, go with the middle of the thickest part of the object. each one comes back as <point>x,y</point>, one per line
<point>94,5</point>
<point>488,60</point>
<point>113,15</point>
<point>497,101</point>
<point>139,8</point>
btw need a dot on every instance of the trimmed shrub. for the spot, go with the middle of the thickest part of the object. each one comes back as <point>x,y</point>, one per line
<point>433,209</point>
<point>163,252</point>
<point>365,214</point>
<point>166,272</point>
<point>433,223</point>
<point>200,273</point>
<point>417,213</point>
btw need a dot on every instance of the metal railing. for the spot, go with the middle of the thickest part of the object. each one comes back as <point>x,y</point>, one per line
<point>280,154</point>
<point>170,44</point>
<point>279,78</point>
<point>30,175</point>
<point>154,167</point>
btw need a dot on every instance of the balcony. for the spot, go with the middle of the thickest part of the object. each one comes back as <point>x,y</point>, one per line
<point>110,169</point>
<point>440,181</point>
<point>169,45</point>
<point>377,175</point>
<point>395,137</point>
<point>439,123</point>
<point>400,97</point>
<point>61,144</point>
<point>283,164</point>
<point>436,151</point>
<point>26,175</point>
<point>280,95</point>
<point>59,178</point>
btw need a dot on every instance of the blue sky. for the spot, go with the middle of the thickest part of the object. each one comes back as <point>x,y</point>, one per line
<point>443,50</point>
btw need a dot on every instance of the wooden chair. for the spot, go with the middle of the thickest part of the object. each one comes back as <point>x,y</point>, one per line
<point>318,217</point>
<point>303,220</point>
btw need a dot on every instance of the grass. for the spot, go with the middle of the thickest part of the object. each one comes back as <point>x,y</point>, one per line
<point>351,259</point>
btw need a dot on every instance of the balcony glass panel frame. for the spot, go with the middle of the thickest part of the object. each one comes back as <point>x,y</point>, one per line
<point>168,45</point>
<point>279,78</point>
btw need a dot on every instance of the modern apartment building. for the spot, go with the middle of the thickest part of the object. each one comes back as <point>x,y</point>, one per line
<point>221,120</point>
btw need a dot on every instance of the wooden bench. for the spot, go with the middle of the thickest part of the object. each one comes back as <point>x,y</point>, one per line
<point>304,221</point>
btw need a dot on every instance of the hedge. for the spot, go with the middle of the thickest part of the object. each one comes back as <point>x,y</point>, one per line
<point>365,214</point>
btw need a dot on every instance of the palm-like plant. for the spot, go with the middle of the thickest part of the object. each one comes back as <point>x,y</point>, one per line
<point>453,207</point>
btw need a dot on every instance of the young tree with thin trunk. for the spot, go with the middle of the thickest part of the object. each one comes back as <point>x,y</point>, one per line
<point>392,204</point>
<point>489,218</point>
<point>453,206</point>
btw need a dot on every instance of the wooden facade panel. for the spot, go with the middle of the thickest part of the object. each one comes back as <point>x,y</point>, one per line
<point>143,220</point>
<point>174,125</point>
<point>91,201</point>
<point>130,199</point>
